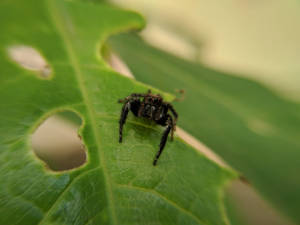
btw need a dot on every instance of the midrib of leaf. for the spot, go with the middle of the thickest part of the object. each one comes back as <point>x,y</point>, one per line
<point>56,18</point>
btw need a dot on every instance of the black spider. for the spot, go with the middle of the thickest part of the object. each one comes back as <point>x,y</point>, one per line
<point>152,107</point>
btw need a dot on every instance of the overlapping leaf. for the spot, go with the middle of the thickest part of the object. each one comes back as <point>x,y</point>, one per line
<point>252,128</point>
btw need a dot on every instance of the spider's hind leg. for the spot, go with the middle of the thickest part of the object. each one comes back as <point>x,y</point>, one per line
<point>173,130</point>
<point>164,139</point>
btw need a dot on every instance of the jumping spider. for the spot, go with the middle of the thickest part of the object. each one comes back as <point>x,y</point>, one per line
<point>152,107</point>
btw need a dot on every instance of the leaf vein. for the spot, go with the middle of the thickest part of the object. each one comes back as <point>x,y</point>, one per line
<point>64,191</point>
<point>174,204</point>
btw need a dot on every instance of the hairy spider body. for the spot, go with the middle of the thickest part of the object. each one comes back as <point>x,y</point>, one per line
<point>152,107</point>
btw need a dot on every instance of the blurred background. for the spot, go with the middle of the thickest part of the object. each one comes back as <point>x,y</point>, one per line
<point>259,39</point>
<point>255,39</point>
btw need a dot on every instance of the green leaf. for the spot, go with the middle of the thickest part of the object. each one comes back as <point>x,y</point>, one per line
<point>253,129</point>
<point>118,184</point>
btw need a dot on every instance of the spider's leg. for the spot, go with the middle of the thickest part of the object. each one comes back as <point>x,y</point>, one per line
<point>181,92</point>
<point>172,124</point>
<point>173,112</point>
<point>164,139</point>
<point>124,113</point>
<point>173,128</point>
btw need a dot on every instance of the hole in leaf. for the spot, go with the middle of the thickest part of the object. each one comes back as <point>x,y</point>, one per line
<point>57,143</point>
<point>30,59</point>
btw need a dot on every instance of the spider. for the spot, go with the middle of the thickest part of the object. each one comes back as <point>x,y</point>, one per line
<point>152,107</point>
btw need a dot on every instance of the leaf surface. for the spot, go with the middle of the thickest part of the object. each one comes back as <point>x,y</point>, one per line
<point>253,129</point>
<point>118,184</point>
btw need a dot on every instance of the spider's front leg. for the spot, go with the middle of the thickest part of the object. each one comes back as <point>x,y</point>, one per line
<point>123,117</point>
<point>164,138</point>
